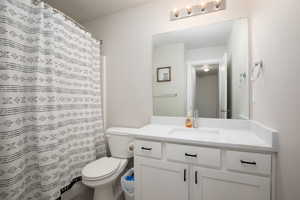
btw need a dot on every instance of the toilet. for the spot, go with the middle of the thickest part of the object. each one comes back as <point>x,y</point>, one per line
<point>102,173</point>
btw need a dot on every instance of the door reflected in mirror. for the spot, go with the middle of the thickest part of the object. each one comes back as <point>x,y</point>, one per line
<point>203,69</point>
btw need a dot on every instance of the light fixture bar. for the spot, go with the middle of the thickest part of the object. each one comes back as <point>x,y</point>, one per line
<point>202,8</point>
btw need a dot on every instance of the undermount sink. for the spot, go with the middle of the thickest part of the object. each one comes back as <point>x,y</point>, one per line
<point>195,133</point>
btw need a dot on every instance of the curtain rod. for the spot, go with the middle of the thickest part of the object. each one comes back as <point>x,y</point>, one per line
<point>37,2</point>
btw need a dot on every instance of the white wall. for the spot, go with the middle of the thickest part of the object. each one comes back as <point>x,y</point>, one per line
<point>238,50</point>
<point>207,97</point>
<point>275,36</point>
<point>169,55</point>
<point>207,53</point>
<point>127,39</point>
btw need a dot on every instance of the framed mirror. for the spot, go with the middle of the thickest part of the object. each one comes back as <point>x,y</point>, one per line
<point>202,69</point>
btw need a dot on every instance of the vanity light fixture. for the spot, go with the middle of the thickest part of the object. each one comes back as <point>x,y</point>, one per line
<point>204,7</point>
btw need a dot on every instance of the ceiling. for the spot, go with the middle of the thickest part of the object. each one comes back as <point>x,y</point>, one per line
<point>198,37</point>
<point>85,10</point>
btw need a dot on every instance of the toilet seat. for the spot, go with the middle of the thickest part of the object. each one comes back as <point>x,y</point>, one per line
<point>101,168</point>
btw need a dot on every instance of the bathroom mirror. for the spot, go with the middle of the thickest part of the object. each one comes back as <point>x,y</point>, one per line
<point>204,70</point>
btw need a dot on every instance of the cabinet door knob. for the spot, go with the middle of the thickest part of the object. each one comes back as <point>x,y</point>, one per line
<point>247,162</point>
<point>196,177</point>
<point>184,175</point>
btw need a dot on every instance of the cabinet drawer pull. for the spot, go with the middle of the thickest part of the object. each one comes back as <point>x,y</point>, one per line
<point>247,162</point>
<point>184,175</point>
<point>146,149</point>
<point>196,177</point>
<point>191,155</point>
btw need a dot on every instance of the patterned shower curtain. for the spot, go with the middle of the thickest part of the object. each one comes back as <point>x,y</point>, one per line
<point>51,122</point>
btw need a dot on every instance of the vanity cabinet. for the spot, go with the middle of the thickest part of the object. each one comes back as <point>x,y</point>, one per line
<point>208,184</point>
<point>160,180</point>
<point>186,172</point>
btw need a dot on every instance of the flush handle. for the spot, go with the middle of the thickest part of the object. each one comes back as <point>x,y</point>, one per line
<point>184,175</point>
<point>196,177</point>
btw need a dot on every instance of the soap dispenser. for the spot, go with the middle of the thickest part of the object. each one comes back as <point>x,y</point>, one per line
<point>189,121</point>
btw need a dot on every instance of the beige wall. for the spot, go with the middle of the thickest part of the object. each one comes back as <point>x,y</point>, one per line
<point>274,38</point>
<point>127,39</point>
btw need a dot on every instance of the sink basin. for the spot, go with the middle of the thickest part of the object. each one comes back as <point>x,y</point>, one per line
<point>195,133</point>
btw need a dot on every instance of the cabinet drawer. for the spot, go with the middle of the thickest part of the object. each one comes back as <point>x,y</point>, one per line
<point>248,162</point>
<point>147,148</point>
<point>196,155</point>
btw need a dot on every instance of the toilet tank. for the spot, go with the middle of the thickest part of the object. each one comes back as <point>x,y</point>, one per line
<point>120,142</point>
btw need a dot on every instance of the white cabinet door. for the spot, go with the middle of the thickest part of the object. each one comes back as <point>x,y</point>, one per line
<point>160,180</point>
<point>208,184</point>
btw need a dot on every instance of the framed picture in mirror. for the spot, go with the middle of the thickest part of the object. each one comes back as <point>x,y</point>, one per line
<point>163,74</point>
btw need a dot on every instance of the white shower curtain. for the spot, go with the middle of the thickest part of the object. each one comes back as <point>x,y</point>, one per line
<point>50,101</point>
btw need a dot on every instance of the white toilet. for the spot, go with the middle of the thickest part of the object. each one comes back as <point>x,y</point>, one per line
<point>101,174</point>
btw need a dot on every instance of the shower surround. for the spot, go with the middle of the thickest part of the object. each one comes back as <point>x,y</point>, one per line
<point>51,122</point>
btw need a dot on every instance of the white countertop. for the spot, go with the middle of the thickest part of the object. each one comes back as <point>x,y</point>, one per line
<point>240,135</point>
<point>228,138</point>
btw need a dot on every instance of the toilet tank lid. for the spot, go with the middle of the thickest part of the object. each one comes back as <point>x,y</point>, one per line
<point>122,131</point>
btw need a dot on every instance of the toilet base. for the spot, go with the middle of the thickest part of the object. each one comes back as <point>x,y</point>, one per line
<point>104,192</point>
<point>104,187</point>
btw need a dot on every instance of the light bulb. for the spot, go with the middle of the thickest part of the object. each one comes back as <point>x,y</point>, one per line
<point>203,6</point>
<point>206,68</point>
<point>175,12</point>
<point>218,3</point>
<point>189,10</point>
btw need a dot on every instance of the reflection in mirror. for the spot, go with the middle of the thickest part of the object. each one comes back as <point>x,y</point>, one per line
<point>204,70</point>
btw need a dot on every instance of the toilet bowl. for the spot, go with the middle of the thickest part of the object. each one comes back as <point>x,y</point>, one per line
<point>101,174</point>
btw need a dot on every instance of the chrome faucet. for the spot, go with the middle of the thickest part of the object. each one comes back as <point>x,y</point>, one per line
<point>195,119</point>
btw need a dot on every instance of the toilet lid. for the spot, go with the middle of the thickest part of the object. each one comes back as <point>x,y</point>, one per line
<point>101,168</point>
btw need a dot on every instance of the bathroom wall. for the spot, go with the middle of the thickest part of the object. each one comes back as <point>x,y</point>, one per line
<point>207,98</point>
<point>171,55</point>
<point>208,53</point>
<point>127,39</point>
<point>275,38</point>
<point>274,33</point>
<point>238,53</point>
